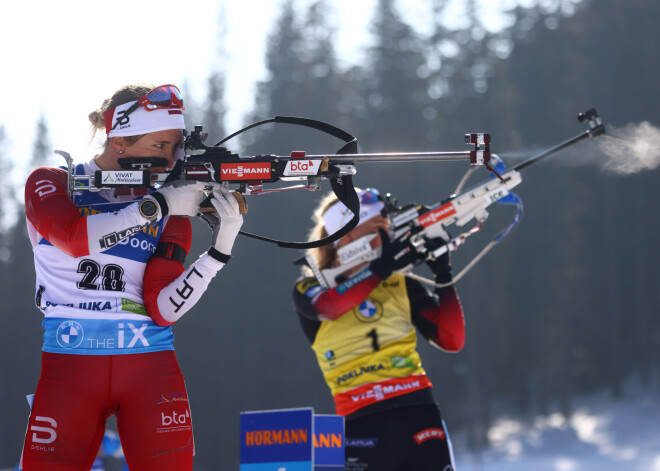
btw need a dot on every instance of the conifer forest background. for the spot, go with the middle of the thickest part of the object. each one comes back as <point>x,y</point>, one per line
<point>567,305</point>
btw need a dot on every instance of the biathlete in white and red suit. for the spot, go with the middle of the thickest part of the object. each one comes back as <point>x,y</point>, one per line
<point>111,281</point>
<point>363,332</point>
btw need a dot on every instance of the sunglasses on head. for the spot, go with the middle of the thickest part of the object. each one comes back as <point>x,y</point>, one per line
<point>370,196</point>
<point>163,97</point>
<point>160,98</point>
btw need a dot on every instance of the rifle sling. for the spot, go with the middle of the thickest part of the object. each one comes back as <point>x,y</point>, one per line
<point>341,186</point>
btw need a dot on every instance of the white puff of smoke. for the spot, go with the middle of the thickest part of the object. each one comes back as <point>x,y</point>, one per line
<point>631,149</point>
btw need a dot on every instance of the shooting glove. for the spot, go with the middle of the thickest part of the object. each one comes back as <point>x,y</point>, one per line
<point>440,266</point>
<point>225,224</point>
<point>395,255</point>
<point>181,197</point>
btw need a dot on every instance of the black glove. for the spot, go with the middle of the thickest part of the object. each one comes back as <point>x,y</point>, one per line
<point>440,266</point>
<point>395,255</point>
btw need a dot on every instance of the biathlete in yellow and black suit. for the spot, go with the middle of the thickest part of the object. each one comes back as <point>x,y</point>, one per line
<point>363,334</point>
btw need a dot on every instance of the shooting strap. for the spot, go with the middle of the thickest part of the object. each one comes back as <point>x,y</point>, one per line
<point>307,122</point>
<point>341,186</point>
<point>345,192</point>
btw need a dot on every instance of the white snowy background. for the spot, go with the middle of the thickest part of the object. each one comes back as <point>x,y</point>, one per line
<point>603,434</point>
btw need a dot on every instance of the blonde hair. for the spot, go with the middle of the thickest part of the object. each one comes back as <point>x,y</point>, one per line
<point>125,94</point>
<point>323,256</point>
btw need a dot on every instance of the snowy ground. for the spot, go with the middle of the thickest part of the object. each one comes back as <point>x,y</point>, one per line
<point>602,435</point>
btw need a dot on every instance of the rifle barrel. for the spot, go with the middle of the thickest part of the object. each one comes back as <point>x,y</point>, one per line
<point>593,132</point>
<point>394,157</point>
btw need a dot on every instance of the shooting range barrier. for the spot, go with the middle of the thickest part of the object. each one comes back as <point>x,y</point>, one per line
<point>291,440</point>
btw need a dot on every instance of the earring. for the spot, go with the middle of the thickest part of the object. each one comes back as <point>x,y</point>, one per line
<point>121,151</point>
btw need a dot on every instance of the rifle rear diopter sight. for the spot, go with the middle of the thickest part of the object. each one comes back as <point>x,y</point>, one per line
<point>195,140</point>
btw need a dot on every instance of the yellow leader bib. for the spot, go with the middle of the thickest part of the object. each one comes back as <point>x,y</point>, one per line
<point>375,342</point>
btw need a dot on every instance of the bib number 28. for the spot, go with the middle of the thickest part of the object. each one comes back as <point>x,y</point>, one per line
<point>111,276</point>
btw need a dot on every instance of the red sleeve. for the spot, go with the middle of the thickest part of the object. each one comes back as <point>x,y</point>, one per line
<point>333,303</point>
<point>52,213</point>
<point>449,320</point>
<point>161,271</point>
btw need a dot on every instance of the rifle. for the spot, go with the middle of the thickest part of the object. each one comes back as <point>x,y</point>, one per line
<point>416,225</point>
<point>249,173</point>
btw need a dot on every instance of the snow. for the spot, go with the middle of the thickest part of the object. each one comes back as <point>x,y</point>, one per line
<point>601,434</point>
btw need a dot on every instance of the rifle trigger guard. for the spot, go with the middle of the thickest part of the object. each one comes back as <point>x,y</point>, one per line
<point>210,169</point>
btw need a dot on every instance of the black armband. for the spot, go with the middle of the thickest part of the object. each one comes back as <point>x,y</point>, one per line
<point>170,251</point>
<point>217,255</point>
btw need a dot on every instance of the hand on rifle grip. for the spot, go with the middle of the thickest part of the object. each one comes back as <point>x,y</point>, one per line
<point>440,266</point>
<point>182,197</point>
<point>225,222</point>
<point>207,207</point>
<point>395,255</point>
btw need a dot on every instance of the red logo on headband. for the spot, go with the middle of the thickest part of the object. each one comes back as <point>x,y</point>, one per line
<point>247,171</point>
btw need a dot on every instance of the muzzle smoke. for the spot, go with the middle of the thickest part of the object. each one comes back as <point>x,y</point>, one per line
<point>632,149</point>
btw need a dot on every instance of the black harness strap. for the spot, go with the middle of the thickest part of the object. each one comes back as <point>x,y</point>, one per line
<point>341,186</point>
<point>345,192</point>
